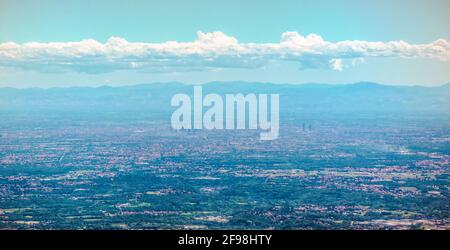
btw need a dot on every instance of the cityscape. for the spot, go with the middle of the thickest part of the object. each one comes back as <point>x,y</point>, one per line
<point>224,123</point>
<point>111,170</point>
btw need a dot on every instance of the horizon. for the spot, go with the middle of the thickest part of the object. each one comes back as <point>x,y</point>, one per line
<point>96,86</point>
<point>224,115</point>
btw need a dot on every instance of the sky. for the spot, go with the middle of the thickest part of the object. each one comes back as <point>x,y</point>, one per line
<point>91,43</point>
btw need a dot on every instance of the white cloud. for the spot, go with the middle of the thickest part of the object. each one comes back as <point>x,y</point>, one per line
<point>210,51</point>
<point>336,64</point>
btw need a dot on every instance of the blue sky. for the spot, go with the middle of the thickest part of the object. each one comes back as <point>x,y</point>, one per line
<point>256,22</point>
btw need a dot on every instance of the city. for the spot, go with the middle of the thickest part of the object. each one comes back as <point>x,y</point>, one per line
<point>89,171</point>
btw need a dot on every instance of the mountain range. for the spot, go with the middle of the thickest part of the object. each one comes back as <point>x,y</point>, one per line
<point>362,98</point>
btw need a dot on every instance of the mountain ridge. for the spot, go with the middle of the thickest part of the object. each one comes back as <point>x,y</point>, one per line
<point>361,84</point>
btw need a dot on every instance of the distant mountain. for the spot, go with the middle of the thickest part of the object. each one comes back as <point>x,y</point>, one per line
<point>364,98</point>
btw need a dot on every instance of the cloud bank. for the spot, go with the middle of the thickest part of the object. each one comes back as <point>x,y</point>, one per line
<point>211,51</point>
